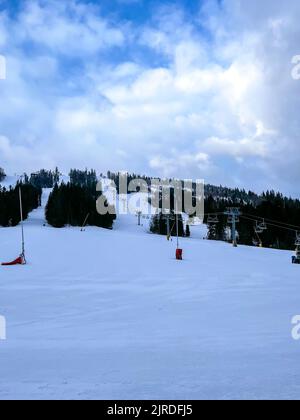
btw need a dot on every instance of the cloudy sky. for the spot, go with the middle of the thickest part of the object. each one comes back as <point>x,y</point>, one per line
<point>187,88</point>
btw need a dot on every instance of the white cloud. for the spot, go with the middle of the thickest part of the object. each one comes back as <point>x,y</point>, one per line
<point>67,27</point>
<point>172,166</point>
<point>204,96</point>
<point>246,147</point>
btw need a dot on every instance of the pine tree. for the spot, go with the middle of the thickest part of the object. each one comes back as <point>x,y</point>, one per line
<point>159,225</point>
<point>10,205</point>
<point>69,204</point>
<point>56,176</point>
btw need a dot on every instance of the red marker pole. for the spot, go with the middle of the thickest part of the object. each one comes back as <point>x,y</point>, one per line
<point>179,251</point>
<point>22,227</point>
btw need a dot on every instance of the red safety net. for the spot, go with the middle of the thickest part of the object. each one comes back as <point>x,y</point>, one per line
<point>18,261</point>
<point>179,254</point>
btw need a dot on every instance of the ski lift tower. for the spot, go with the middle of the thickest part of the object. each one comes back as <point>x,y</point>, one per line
<point>139,216</point>
<point>296,257</point>
<point>167,217</point>
<point>233,214</point>
<point>212,222</point>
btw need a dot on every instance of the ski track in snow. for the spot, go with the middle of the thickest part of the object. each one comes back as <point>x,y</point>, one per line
<point>112,315</point>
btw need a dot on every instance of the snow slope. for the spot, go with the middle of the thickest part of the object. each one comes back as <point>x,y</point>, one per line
<point>111,314</point>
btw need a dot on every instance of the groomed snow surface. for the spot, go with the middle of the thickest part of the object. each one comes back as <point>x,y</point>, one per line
<point>112,315</point>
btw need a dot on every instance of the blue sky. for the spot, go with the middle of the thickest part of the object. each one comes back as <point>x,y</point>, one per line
<point>192,89</point>
<point>138,11</point>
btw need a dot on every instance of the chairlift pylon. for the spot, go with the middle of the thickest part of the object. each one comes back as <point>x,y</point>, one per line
<point>296,257</point>
<point>232,219</point>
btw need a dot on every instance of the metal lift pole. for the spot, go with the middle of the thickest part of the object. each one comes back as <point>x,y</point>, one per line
<point>233,214</point>
<point>177,224</point>
<point>22,226</point>
<point>139,214</point>
<point>234,232</point>
<point>177,229</point>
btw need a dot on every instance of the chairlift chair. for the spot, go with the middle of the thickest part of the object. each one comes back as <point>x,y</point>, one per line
<point>263,226</point>
<point>296,257</point>
<point>258,228</point>
<point>212,220</point>
<point>297,242</point>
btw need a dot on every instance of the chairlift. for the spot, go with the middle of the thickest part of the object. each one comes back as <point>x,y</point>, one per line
<point>297,242</point>
<point>296,257</point>
<point>212,220</point>
<point>258,228</point>
<point>263,226</point>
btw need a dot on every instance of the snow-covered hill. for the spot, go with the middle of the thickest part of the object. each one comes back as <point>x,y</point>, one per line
<point>112,314</point>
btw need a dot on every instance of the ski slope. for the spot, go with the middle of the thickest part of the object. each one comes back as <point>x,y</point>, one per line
<point>112,315</point>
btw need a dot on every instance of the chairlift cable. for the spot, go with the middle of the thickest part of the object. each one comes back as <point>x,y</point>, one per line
<point>272,224</point>
<point>271,220</point>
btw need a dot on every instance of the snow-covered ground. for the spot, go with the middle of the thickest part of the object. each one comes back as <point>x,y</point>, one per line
<point>112,315</point>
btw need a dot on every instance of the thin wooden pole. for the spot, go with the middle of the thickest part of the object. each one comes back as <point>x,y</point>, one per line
<point>85,222</point>
<point>177,226</point>
<point>22,225</point>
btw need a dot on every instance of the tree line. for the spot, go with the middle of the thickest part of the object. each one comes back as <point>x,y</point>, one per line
<point>43,178</point>
<point>73,204</point>
<point>121,178</point>
<point>87,178</point>
<point>273,207</point>
<point>161,226</point>
<point>10,204</point>
<point>69,204</point>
